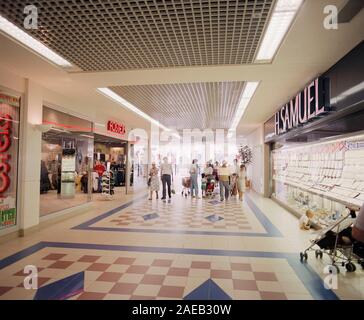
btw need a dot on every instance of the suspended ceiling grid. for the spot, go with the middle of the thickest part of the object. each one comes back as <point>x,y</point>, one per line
<point>106,35</point>
<point>187,105</point>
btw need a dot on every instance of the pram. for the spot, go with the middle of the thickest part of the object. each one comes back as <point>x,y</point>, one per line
<point>186,186</point>
<point>210,186</point>
<point>337,243</point>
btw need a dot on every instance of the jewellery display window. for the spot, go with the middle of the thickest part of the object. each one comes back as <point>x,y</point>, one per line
<point>323,177</point>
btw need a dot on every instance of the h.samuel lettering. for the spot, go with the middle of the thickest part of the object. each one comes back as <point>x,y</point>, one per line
<point>310,103</point>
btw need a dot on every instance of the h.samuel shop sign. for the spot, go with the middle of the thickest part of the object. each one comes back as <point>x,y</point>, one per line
<point>306,106</point>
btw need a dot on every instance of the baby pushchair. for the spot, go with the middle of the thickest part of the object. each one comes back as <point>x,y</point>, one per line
<point>336,241</point>
<point>210,186</point>
<point>186,186</point>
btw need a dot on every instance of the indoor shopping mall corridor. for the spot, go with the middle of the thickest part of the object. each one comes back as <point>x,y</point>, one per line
<point>187,249</point>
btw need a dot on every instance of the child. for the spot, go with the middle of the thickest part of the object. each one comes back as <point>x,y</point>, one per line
<point>305,221</point>
<point>203,185</point>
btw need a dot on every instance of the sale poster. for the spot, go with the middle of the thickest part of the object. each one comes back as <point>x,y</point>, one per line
<point>9,143</point>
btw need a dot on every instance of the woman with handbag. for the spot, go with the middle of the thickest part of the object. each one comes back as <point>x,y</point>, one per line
<point>241,181</point>
<point>153,181</point>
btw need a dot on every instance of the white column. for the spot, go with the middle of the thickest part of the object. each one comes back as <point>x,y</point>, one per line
<point>30,157</point>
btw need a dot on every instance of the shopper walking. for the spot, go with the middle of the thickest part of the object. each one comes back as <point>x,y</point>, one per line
<point>224,181</point>
<point>233,181</point>
<point>208,170</point>
<point>215,171</point>
<point>154,181</point>
<point>194,177</point>
<point>167,178</point>
<point>241,181</point>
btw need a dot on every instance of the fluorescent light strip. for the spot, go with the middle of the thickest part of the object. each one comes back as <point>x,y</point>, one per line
<point>116,98</point>
<point>249,90</point>
<point>281,19</point>
<point>15,32</point>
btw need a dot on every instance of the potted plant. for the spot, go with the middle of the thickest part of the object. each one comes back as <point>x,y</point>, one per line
<point>246,157</point>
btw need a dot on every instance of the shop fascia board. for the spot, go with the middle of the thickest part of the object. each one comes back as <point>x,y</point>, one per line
<point>317,124</point>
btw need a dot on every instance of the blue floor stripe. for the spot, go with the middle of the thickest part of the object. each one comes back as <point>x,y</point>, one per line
<point>21,254</point>
<point>271,230</point>
<point>265,222</point>
<point>85,225</point>
<point>307,275</point>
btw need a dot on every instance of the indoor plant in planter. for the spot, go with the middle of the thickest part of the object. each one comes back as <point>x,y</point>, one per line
<point>246,157</point>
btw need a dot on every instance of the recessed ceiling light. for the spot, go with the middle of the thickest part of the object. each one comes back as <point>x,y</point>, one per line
<point>280,21</point>
<point>16,33</point>
<point>249,90</point>
<point>116,98</point>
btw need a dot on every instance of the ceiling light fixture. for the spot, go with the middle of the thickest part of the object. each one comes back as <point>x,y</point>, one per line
<point>249,90</point>
<point>16,33</point>
<point>280,21</point>
<point>116,98</point>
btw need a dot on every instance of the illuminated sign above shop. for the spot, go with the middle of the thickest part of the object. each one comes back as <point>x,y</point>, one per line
<point>309,104</point>
<point>116,127</point>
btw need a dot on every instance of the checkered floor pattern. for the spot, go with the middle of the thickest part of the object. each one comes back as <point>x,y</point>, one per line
<point>186,214</point>
<point>131,275</point>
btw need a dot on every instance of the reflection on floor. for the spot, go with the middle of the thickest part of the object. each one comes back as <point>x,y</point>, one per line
<point>142,249</point>
<point>51,202</point>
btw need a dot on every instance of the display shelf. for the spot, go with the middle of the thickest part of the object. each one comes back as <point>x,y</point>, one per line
<point>107,184</point>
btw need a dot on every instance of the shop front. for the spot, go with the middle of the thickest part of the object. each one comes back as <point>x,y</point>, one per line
<point>80,162</point>
<point>9,154</point>
<point>317,144</point>
<point>66,161</point>
<point>110,166</point>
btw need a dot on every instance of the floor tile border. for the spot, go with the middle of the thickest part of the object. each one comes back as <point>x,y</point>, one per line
<point>271,230</point>
<point>310,279</point>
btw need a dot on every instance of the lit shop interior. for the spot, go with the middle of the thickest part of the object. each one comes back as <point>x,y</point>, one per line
<point>317,150</point>
<point>110,166</point>
<point>77,165</point>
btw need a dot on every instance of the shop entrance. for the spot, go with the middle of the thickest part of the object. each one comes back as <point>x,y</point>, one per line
<point>109,176</point>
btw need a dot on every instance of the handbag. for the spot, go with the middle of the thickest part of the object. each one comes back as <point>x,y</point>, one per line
<point>149,181</point>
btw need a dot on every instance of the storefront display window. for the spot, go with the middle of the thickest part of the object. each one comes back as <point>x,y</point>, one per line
<point>9,144</point>
<point>324,177</point>
<point>67,157</point>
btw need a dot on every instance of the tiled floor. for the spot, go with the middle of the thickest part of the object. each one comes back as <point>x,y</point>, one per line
<point>183,215</point>
<point>144,249</point>
<point>133,275</point>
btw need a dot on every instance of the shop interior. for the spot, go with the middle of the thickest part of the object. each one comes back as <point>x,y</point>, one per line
<point>65,163</point>
<point>109,168</point>
<point>64,185</point>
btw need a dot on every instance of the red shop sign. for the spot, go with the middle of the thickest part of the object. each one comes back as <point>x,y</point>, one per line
<point>5,144</point>
<point>115,127</point>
